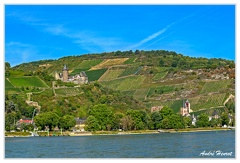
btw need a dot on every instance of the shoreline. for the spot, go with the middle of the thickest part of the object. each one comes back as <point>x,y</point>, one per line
<point>133,132</point>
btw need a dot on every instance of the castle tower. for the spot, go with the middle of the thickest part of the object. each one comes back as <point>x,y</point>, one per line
<point>187,106</point>
<point>185,109</point>
<point>65,73</point>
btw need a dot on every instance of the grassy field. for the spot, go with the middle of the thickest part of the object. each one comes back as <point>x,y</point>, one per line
<point>94,75</point>
<point>109,62</point>
<point>215,86</point>
<point>27,82</point>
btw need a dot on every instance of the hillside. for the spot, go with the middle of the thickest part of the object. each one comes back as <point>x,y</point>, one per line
<point>137,80</point>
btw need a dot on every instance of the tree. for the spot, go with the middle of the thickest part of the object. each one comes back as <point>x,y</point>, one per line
<point>165,112</point>
<point>139,118</point>
<point>156,119</point>
<point>66,122</point>
<point>203,120</point>
<point>187,121</point>
<point>225,118</point>
<point>127,122</point>
<point>92,124</point>
<point>175,121</point>
<point>49,119</point>
<point>103,114</point>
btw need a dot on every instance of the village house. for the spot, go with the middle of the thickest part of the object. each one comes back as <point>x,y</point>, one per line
<point>156,108</point>
<point>80,124</point>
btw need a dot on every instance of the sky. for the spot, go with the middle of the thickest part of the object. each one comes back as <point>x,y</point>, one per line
<point>38,32</point>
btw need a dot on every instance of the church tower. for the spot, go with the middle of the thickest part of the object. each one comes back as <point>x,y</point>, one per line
<point>65,73</point>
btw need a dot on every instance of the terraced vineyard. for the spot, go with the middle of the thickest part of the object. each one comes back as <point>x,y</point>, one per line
<point>215,86</point>
<point>140,94</point>
<point>160,75</point>
<point>129,71</point>
<point>94,75</point>
<point>130,60</point>
<point>111,74</point>
<point>109,62</point>
<point>87,64</point>
<point>28,82</point>
<point>67,91</point>
<point>8,84</point>
<point>209,101</point>
<point>160,90</point>
<point>125,84</point>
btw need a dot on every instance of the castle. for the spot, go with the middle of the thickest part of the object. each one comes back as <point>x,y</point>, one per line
<point>81,78</point>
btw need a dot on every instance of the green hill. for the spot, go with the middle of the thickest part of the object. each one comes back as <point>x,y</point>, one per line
<point>153,78</point>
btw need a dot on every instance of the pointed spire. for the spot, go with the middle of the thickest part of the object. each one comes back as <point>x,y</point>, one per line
<point>65,67</point>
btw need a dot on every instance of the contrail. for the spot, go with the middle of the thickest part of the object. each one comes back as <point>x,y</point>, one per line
<point>149,38</point>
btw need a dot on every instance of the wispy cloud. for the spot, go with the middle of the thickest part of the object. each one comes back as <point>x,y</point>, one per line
<point>85,39</point>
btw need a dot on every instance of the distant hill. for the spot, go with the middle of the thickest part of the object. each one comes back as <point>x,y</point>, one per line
<point>152,78</point>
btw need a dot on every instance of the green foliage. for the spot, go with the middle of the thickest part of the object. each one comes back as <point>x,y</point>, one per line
<point>92,124</point>
<point>139,119</point>
<point>66,122</point>
<point>203,121</point>
<point>49,119</point>
<point>187,121</point>
<point>165,112</point>
<point>156,119</point>
<point>225,119</point>
<point>104,116</point>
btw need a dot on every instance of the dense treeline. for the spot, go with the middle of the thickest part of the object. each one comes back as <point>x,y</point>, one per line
<point>162,58</point>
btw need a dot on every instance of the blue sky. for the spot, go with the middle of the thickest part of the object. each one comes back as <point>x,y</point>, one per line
<point>37,32</point>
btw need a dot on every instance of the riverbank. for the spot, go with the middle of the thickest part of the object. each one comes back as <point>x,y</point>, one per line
<point>28,134</point>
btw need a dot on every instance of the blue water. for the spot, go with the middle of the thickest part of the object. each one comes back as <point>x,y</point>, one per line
<point>220,144</point>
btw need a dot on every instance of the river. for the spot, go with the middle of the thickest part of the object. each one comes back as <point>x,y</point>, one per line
<point>209,144</point>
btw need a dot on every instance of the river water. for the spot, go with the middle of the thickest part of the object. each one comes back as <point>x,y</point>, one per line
<point>211,144</point>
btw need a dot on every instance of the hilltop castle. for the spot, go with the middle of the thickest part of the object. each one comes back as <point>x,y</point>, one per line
<point>77,79</point>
